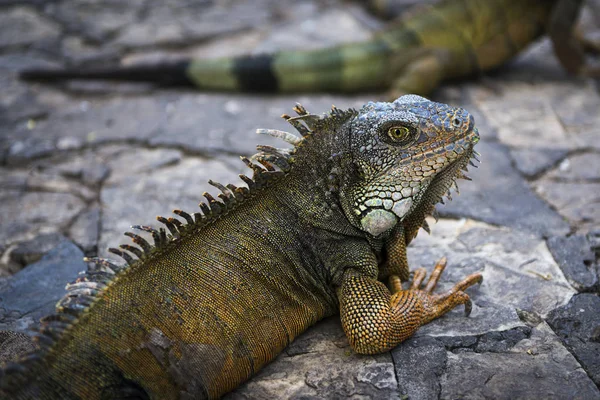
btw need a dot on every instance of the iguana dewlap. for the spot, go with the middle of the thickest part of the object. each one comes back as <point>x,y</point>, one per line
<point>221,292</point>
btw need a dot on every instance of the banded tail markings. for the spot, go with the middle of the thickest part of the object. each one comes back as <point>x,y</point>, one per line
<point>215,74</point>
<point>350,67</point>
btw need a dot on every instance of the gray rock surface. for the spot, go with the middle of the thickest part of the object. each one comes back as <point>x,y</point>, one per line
<point>32,250</point>
<point>33,292</point>
<point>576,259</point>
<point>21,26</point>
<point>578,325</point>
<point>501,196</point>
<point>532,162</point>
<point>536,367</point>
<point>86,160</point>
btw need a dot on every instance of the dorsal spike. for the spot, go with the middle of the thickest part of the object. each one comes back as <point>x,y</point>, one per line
<point>273,150</point>
<point>300,110</point>
<point>266,164</point>
<point>205,209</point>
<point>281,162</point>
<point>455,186</point>
<point>103,262</point>
<point>163,235</point>
<point>426,227</point>
<point>176,222</point>
<point>125,256</point>
<point>236,192</point>
<point>251,184</point>
<point>155,234</point>
<point>464,176</point>
<point>169,224</point>
<point>137,239</point>
<point>188,218</point>
<point>132,249</point>
<point>209,197</point>
<point>198,217</point>
<point>297,124</point>
<point>285,136</point>
<point>221,187</point>
<point>435,215</point>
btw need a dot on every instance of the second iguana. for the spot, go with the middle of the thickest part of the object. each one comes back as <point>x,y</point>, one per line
<point>318,230</point>
<point>451,39</point>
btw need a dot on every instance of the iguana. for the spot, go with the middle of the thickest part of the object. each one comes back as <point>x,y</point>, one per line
<point>455,38</point>
<point>222,292</point>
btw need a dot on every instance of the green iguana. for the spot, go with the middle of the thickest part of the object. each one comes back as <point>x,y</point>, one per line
<point>222,292</point>
<point>454,38</point>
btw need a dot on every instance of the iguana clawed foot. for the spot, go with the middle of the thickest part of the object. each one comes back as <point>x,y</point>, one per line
<point>377,319</point>
<point>437,305</point>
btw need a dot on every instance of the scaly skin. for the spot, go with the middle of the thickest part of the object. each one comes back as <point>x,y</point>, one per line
<point>318,229</point>
<point>455,38</point>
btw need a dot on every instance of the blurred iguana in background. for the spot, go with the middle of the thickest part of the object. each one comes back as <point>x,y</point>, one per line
<point>429,44</point>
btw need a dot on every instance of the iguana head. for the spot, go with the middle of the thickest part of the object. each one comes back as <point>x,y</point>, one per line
<point>407,154</point>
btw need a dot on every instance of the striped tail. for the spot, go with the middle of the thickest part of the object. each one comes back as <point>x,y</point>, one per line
<point>346,68</point>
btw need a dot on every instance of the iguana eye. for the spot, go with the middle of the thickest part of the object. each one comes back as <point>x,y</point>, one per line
<point>457,122</point>
<point>398,133</point>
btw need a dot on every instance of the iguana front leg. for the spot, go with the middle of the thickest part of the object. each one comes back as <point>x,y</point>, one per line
<point>570,46</point>
<point>421,75</point>
<point>396,262</point>
<point>376,320</point>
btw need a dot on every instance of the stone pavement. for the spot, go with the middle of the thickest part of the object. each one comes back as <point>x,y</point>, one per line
<point>81,162</point>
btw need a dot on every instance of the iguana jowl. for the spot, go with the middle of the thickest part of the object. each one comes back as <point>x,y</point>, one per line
<point>317,231</point>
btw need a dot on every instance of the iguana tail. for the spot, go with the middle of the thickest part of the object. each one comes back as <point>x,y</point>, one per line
<point>345,68</point>
<point>169,74</point>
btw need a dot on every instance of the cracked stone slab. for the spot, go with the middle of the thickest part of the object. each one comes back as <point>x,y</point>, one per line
<point>21,26</point>
<point>309,33</point>
<point>536,367</point>
<point>578,167</point>
<point>576,259</point>
<point>573,188</point>
<point>320,364</point>
<point>532,162</point>
<point>30,251</point>
<point>95,20</point>
<point>578,325</point>
<point>499,195</point>
<point>33,292</point>
<point>25,214</point>
<point>420,363</point>
<point>184,22</point>
<point>579,203</point>
<point>204,123</point>
<point>85,230</point>
<point>552,114</point>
